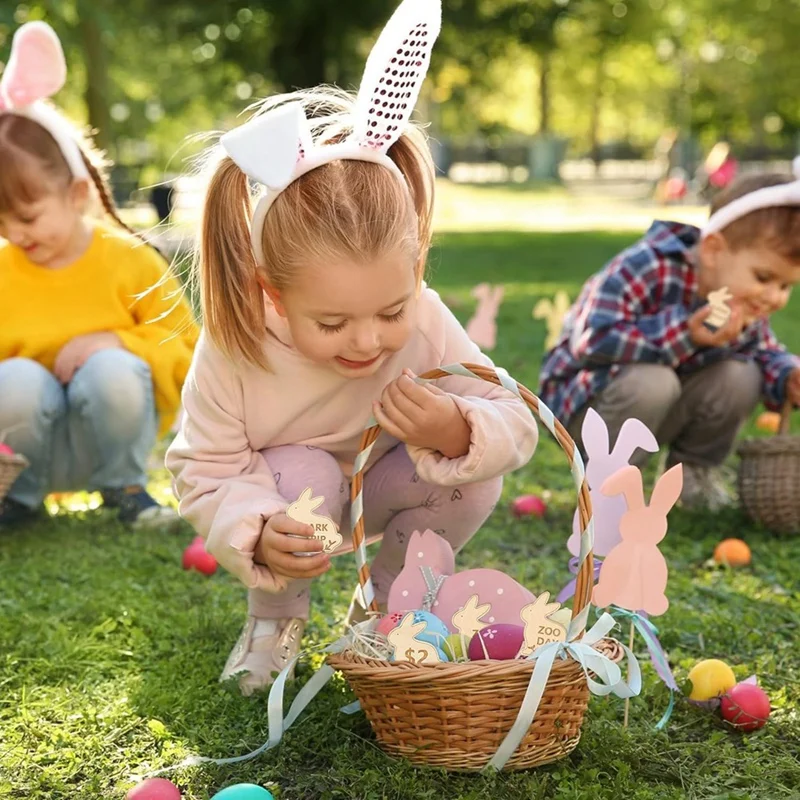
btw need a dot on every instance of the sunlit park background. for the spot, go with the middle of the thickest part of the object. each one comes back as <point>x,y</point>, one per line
<point>560,128</point>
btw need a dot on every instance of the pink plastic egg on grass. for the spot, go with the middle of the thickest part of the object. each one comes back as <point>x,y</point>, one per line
<point>746,707</point>
<point>501,642</point>
<point>529,505</point>
<point>155,789</point>
<point>5,450</point>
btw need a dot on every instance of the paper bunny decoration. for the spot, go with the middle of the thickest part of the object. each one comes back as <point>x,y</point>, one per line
<point>36,70</point>
<point>428,573</point>
<point>406,647</point>
<point>277,147</point>
<point>553,312</point>
<point>601,464</point>
<point>634,575</point>
<point>325,529</point>
<point>482,328</point>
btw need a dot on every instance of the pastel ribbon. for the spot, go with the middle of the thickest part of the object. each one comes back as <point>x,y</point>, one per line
<point>658,657</point>
<point>568,591</point>
<point>609,675</point>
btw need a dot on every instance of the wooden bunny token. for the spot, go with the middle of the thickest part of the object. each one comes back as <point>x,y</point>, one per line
<point>720,310</point>
<point>467,620</point>
<point>325,529</point>
<point>540,627</point>
<point>406,647</point>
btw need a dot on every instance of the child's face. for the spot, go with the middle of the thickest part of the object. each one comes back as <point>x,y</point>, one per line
<point>759,279</point>
<point>351,316</point>
<point>48,228</point>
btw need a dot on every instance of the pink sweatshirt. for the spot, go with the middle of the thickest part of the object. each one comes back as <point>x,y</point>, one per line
<point>232,412</point>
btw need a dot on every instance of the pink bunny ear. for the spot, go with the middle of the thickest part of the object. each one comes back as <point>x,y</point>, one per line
<point>667,490</point>
<point>394,73</point>
<point>627,481</point>
<point>36,69</point>
<point>595,435</point>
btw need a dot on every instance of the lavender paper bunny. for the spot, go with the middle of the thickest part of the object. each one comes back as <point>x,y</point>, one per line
<point>602,463</point>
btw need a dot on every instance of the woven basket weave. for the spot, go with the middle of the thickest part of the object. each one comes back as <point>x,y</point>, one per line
<point>769,478</point>
<point>10,468</point>
<point>456,715</point>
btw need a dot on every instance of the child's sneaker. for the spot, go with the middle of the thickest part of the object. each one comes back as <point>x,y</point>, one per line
<point>704,487</point>
<point>138,509</point>
<point>264,648</point>
<point>14,514</point>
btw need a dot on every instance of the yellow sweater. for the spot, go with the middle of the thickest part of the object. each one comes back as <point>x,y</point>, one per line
<point>42,309</point>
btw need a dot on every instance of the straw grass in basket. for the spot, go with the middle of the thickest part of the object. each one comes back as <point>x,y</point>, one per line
<point>456,715</point>
<point>769,477</point>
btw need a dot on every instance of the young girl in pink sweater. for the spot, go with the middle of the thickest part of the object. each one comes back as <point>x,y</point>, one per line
<point>316,317</point>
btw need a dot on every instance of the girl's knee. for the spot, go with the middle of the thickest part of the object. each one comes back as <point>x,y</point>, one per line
<point>298,467</point>
<point>28,391</point>
<point>484,496</point>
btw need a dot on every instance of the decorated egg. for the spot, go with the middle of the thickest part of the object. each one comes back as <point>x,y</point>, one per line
<point>710,679</point>
<point>746,707</point>
<point>155,789</point>
<point>455,647</point>
<point>243,791</point>
<point>500,642</point>
<point>389,622</point>
<point>435,632</point>
<point>733,552</point>
<point>528,505</point>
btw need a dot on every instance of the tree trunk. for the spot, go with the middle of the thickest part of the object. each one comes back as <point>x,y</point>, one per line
<point>544,92</point>
<point>96,94</point>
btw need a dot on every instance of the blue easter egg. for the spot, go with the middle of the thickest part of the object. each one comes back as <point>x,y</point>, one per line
<point>435,632</point>
<point>243,791</point>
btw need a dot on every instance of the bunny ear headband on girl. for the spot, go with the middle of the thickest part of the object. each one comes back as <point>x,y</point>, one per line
<point>276,148</point>
<point>784,194</point>
<point>35,71</point>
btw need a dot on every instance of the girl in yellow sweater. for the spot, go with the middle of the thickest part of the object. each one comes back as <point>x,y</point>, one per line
<point>92,357</point>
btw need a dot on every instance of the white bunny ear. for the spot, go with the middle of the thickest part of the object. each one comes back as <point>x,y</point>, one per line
<point>394,73</point>
<point>268,147</point>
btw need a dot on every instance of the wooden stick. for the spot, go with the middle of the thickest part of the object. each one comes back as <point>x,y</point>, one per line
<point>627,699</point>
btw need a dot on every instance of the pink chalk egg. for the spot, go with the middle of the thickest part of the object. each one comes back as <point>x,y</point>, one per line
<point>155,789</point>
<point>500,642</point>
<point>5,450</point>
<point>390,622</point>
<point>529,505</point>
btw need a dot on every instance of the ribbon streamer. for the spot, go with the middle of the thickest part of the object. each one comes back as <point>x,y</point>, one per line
<point>568,592</point>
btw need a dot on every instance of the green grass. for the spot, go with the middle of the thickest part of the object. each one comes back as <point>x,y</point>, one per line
<point>110,653</point>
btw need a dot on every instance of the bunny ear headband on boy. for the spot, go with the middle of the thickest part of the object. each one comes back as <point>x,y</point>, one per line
<point>276,148</point>
<point>784,194</point>
<point>35,71</point>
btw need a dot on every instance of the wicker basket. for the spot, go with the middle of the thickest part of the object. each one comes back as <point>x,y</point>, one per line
<point>10,468</point>
<point>769,478</point>
<point>456,715</point>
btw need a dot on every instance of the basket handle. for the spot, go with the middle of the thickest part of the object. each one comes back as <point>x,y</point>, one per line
<point>786,417</point>
<point>499,377</point>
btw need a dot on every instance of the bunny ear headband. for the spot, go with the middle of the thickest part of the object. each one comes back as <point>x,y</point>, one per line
<point>785,194</point>
<point>276,148</point>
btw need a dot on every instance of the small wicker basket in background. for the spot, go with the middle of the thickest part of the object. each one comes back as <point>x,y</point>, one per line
<point>10,468</point>
<point>456,715</point>
<point>769,478</point>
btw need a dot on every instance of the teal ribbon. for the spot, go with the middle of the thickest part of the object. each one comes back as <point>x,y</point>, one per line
<point>658,657</point>
<point>609,675</point>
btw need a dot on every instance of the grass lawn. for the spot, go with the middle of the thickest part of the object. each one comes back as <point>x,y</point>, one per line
<point>111,653</point>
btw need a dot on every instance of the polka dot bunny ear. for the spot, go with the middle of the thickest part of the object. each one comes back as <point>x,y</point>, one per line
<point>395,72</point>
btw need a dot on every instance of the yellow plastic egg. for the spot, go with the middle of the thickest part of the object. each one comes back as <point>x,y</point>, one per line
<point>710,678</point>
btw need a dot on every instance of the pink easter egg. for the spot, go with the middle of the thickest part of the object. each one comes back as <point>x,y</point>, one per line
<point>155,789</point>
<point>5,450</point>
<point>499,642</point>
<point>528,505</point>
<point>390,622</point>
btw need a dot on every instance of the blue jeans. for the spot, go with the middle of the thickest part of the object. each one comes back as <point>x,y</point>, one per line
<point>95,433</point>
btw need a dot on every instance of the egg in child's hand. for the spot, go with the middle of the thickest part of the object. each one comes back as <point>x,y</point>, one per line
<point>500,642</point>
<point>710,679</point>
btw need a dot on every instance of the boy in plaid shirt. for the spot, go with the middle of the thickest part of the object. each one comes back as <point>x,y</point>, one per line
<point>635,344</point>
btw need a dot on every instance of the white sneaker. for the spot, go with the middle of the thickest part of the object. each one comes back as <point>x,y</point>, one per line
<point>704,487</point>
<point>264,648</point>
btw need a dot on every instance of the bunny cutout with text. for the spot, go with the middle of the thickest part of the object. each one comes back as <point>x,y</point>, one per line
<point>467,620</point>
<point>325,529</point>
<point>601,464</point>
<point>491,587</point>
<point>540,627</point>
<point>406,647</point>
<point>482,328</point>
<point>634,574</point>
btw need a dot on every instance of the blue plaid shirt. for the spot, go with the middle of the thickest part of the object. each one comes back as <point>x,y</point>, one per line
<point>636,311</point>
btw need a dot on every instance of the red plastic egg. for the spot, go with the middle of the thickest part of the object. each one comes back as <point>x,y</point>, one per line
<point>196,557</point>
<point>500,642</point>
<point>746,707</point>
<point>529,505</point>
<point>155,789</point>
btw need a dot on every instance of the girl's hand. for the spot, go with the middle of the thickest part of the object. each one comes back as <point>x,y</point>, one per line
<point>423,416</point>
<point>793,387</point>
<point>275,549</point>
<point>75,353</point>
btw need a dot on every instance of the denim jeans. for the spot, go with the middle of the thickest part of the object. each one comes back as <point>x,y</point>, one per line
<point>95,433</point>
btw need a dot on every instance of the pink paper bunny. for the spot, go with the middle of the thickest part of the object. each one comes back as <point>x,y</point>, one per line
<point>634,575</point>
<point>600,466</point>
<point>482,328</point>
<point>492,587</point>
